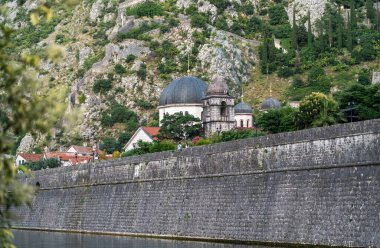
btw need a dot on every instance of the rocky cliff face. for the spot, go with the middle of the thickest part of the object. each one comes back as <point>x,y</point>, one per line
<point>89,35</point>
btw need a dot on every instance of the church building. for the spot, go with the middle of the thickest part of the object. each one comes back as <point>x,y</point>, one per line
<point>212,104</point>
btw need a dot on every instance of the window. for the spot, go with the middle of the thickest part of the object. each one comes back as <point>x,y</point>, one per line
<point>247,123</point>
<point>223,109</point>
<point>241,123</point>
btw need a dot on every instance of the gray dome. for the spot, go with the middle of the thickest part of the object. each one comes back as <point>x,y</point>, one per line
<point>243,108</point>
<point>183,90</point>
<point>218,87</point>
<point>270,103</point>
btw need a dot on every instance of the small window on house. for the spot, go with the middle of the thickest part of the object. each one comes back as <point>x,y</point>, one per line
<point>186,112</point>
<point>247,123</point>
<point>38,185</point>
<point>241,123</point>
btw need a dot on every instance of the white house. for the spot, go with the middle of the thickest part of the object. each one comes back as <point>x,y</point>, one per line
<point>146,134</point>
<point>23,158</point>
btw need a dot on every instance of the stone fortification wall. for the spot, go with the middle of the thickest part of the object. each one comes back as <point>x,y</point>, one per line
<point>318,186</point>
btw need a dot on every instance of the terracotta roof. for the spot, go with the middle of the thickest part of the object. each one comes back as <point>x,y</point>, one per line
<point>70,157</point>
<point>82,149</point>
<point>31,156</point>
<point>152,131</point>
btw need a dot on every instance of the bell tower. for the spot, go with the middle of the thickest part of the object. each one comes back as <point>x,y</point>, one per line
<point>218,108</point>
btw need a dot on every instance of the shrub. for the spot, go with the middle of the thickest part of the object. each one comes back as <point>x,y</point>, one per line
<point>203,142</point>
<point>120,69</point>
<point>119,114</point>
<point>43,164</point>
<point>285,72</point>
<point>130,58</point>
<point>198,20</point>
<point>148,8</point>
<point>143,104</point>
<point>141,73</point>
<point>81,98</point>
<point>160,146</point>
<point>102,86</point>
<point>277,14</point>
<point>110,145</point>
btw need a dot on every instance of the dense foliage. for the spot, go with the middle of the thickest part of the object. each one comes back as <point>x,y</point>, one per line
<point>179,126</point>
<point>145,147</point>
<point>43,164</point>
<point>277,120</point>
<point>147,8</point>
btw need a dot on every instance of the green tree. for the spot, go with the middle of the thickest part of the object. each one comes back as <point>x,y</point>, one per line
<point>21,106</point>
<point>277,120</point>
<point>370,11</point>
<point>179,126</point>
<point>294,31</point>
<point>148,8</point>
<point>366,99</point>
<point>102,86</point>
<point>309,31</point>
<point>110,144</point>
<point>43,164</point>
<point>120,69</point>
<point>277,14</point>
<point>316,110</point>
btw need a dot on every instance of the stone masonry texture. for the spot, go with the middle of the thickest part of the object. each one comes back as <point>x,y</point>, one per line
<point>319,186</point>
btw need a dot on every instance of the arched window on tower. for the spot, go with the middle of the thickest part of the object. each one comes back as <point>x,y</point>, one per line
<point>241,123</point>
<point>247,123</point>
<point>223,109</point>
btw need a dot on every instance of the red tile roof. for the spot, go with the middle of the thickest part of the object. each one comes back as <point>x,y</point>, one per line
<point>70,157</point>
<point>152,131</point>
<point>31,156</point>
<point>82,149</point>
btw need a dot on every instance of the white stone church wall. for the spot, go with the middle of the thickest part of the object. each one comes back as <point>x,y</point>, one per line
<point>193,109</point>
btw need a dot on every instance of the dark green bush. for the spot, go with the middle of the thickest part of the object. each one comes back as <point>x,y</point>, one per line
<point>130,58</point>
<point>120,69</point>
<point>148,8</point>
<point>141,73</point>
<point>102,86</point>
<point>43,164</point>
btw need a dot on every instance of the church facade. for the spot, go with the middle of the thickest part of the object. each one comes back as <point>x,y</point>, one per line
<point>211,103</point>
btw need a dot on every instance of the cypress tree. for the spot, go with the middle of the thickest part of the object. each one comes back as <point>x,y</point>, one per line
<point>353,21</point>
<point>349,34</point>
<point>371,12</point>
<point>330,32</point>
<point>265,54</point>
<point>377,16</point>
<point>309,33</point>
<point>340,30</point>
<point>294,31</point>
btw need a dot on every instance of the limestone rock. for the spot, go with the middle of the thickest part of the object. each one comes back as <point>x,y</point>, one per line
<point>316,8</point>
<point>83,54</point>
<point>26,144</point>
<point>96,10</point>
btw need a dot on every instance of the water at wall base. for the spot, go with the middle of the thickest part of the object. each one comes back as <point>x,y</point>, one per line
<point>39,239</point>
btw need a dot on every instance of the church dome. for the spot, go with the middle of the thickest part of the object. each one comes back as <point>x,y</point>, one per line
<point>270,103</point>
<point>218,87</point>
<point>243,108</point>
<point>183,90</point>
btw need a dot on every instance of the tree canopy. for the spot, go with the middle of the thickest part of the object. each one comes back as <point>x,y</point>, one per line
<point>179,126</point>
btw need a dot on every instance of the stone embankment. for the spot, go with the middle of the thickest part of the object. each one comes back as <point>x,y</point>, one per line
<point>315,187</point>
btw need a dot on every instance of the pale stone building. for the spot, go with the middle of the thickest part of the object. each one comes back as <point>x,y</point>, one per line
<point>243,115</point>
<point>212,104</point>
<point>218,108</point>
